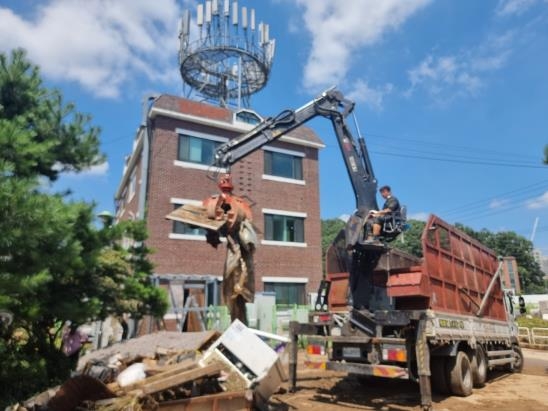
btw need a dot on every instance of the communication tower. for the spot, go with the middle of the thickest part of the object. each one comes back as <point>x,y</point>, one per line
<point>223,55</point>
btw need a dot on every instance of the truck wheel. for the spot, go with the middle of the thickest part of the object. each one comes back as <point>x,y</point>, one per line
<point>479,367</point>
<point>517,366</point>
<point>438,375</point>
<point>460,374</point>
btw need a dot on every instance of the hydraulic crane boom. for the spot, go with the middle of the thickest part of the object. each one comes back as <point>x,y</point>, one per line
<point>228,215</point>
<point>330,104</point>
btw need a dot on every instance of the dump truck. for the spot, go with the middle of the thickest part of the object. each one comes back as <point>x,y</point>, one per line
<point>442,321</point>
<point>444,316</point>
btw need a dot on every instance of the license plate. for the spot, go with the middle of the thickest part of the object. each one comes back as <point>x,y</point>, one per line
<point>351,352</point>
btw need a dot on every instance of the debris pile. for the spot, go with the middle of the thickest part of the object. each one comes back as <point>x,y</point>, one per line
<point>171,370</point>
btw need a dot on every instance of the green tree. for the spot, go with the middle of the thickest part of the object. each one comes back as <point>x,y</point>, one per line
<point>55,265</point>
<point>410,240</point>
<point>545,160</point>
<point>330,228</point>
<point>123,273</point>
<point>40,134</point>
<point>508,243</point>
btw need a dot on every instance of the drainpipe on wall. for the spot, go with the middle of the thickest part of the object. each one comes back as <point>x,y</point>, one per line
<point>148,100</point>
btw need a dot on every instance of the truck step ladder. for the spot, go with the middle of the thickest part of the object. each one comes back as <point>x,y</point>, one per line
<point>322,300</point>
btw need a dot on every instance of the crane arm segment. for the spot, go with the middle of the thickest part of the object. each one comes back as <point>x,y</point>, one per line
<point>330,104</point>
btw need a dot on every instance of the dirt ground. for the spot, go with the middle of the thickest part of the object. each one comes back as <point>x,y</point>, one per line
<point>319,390</point>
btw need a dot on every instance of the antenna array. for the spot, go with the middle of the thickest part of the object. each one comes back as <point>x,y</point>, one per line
<point>223,54</point>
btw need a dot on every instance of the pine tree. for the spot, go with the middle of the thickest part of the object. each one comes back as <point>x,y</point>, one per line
<point>55,264</point>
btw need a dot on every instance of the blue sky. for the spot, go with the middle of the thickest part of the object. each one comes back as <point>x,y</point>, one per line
<point>452,96</point>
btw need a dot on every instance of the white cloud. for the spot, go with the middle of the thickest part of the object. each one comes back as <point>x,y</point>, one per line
<point>373,97</point>
<point>98,170</point>
<point>461,74</point>
<point>421,216</point>
<point>100,44</point>
<point>438,73</point>
<point>344,217</point>
<point>339,28</point>
<point>514,7</point>
<point>538,202</point>
<point>497,203</point>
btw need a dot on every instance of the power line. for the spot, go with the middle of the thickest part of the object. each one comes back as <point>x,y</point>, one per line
<point>475,216</point>
<point>114,140</point>
<point>452,155</point>
<point>399,151</point>
<point>451,146</point>
<point>506,195</point>
<point>451,160</point>
<point>515,204</point>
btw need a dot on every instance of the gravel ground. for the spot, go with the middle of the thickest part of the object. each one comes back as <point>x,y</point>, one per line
<point>329,391</point>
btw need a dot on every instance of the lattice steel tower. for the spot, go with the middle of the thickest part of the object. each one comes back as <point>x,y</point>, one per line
<point>224,56</point>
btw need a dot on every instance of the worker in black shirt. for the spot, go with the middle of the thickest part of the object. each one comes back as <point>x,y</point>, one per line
<point>391,205</point>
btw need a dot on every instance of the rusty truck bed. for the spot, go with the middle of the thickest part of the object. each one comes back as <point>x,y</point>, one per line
<point>452,276</point>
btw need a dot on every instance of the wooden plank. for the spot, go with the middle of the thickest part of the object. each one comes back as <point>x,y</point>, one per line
<point>195,215</point>
<point>166,372</point>
<point>180,378</point>
<point>235,401</point>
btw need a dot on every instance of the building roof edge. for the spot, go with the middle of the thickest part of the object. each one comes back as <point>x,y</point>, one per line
<point>241,127</point>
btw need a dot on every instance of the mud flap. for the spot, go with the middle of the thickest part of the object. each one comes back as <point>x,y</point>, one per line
<point>423,365</point>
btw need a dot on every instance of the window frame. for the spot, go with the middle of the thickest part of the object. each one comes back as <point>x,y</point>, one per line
<point>286,214</point>
<point>285,285</point>
<point>295,155</point>
<point>240,117</point>
<point>196,135</point>
<point>132,186</point>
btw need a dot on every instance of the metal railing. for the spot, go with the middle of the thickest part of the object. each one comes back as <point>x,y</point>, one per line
<point>535,335</point>
<point>539,336</point>
<point>524,334</point>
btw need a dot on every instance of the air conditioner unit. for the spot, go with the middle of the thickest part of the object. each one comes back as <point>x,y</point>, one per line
<point>248,355</point>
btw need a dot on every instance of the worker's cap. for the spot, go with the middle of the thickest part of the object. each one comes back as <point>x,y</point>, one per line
<point>384,188</point>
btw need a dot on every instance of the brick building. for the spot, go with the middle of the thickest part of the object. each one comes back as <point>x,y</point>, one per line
<point>169,166</point>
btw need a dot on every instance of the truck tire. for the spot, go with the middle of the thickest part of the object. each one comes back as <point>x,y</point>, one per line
<point>438,375</point>
<point>479,367</point>
<point>460,374</point>
<point>517,365</point>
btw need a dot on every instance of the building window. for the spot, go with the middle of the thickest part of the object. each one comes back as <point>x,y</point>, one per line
<point>121,202</point>
<point>132,183</point>
<point>183,228</point>
<point>287,293</point>
<point>283,228</point>
<point>187,229</point>
<point>197,150</point>
<point>283,165</point>
<point>248,117</point>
